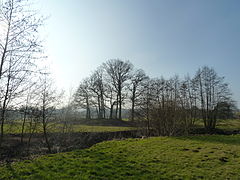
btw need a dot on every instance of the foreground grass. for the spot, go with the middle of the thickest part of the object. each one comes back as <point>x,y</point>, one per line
<point>195,157</point>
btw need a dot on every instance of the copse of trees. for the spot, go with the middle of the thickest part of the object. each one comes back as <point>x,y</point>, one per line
<point>212,92</point>
<point>164,106</point>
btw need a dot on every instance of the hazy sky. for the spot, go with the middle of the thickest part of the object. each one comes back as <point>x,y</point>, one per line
<point>163,37</point>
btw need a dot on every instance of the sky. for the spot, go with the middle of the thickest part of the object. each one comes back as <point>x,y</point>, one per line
<point>163,37</point>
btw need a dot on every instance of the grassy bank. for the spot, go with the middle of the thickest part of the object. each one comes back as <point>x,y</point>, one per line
<point>195,157</point>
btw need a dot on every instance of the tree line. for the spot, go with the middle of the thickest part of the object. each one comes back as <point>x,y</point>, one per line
<point>162,105</point>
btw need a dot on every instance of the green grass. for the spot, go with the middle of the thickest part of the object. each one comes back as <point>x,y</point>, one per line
<point>86,128</point>
<point>229,124</point>
<point>194,157</point>
<point>106,126</point>
<point>57,127</point>
<point>226,124</point>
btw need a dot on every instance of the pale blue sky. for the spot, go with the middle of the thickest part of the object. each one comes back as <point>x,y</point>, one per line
<point>163,37</point>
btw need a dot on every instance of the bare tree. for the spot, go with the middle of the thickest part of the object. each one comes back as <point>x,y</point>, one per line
<point>29,105</point>
<point>19,33</point>
<point>119,73</point>
<point>110,100</point>
<point>138,80</point>
<point>34,117</point>
<point>12,86</point>
<point>49,99</point>
<point>145,105</point>
<point>164,106</point>
<point>67,114</point>
<point>82,97</point>
<point>212,91</point>
<point>20,47</point>
<point>191,87</point>
<point>96,85</point>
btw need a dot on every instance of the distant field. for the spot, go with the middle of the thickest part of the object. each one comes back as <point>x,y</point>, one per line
<point>195,157</point>
<point>228,124</point>
<point>105,126</point>
<point>59,127</point>
<point>86,128</point>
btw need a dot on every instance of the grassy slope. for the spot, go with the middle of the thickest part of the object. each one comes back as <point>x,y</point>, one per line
<point>196,157</point>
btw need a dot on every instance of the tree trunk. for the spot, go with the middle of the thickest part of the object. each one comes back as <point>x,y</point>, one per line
<point>32,130</point>
<point>116,112</point>
<point>2,124</point>
<point>111,112</point>
<point>120,103</point>
<point>45,123</point>
<point>46,138</point>
<point>133,103</point>
<point>4,109</point>
<point>88,112</point>
<point>23,124</point>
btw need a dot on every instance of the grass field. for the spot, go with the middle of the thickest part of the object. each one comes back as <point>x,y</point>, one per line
<point>194,157</point>
<point>226,124</point>
<point>105,126</point>
<point>58,127</point>
<point>229,124</point>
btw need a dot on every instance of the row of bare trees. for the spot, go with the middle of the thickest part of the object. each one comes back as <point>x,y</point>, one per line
<point>174,104</point>
<point>163,105</point>
<point>108,88</point>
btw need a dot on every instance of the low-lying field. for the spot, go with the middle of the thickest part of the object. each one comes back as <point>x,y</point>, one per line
<point>222,124</point>
<point>95,126</point>
<point>193,157</point>
<point>105,125</point>
<point>101,126</point>
<point>229,124</point>
<point>75,128</point>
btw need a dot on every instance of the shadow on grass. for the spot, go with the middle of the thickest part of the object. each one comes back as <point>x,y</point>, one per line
<point>222,139</point>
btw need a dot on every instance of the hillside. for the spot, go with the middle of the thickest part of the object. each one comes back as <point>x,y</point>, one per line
<point>194,157</point>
